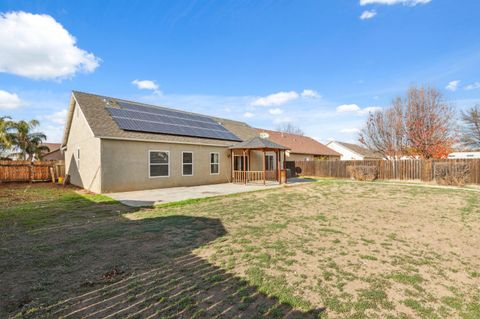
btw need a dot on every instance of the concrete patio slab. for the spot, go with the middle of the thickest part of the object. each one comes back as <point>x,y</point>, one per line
<point>174,194</point>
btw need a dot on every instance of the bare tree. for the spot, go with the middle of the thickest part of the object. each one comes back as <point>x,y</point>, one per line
<point>384,131</point>
<point>290,128</point>
<point>419,125</point>
<point>471,131</point>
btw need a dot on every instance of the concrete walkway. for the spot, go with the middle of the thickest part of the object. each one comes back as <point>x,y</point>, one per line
<point>174,194</point>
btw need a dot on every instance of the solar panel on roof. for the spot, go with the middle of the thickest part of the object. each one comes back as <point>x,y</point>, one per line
<point>150,119</point>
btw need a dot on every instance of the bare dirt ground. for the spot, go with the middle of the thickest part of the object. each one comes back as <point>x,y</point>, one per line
<point>332,249</point>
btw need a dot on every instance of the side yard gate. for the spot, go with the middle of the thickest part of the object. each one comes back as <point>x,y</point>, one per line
<point>423,170</point>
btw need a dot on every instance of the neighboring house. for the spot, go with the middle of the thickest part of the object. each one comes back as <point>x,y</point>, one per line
<point>115,145</point>
<point>464,155</point>
<point>302,148</point>
<point>351,151</point>
<point>54,154</point>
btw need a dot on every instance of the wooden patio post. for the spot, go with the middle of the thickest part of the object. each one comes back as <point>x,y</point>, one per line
<point>277,155</point>
<point>244,167</point>
<point>264,173</point>
<point>232,165</point>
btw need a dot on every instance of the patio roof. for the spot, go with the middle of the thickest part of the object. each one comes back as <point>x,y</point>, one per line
<point>258,142</point>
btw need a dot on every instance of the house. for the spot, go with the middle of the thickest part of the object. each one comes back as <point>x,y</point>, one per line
<point>464,155</point>
<point>54,154</point>
<point>351,151</point>
<point>302,148</point>
<point>113,145</point>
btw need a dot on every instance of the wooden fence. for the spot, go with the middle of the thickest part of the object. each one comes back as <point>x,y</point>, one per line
<point>26,171</point>
<point>422,170</point>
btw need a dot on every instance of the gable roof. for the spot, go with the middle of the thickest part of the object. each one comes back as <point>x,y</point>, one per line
<point>299,144</point>
<point>52,147</point>
<point>257,143</point>
<point>363,151</point>
<point>103,126</point>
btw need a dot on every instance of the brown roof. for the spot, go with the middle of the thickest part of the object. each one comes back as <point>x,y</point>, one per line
<point>299,144</point>
<point>102,125</point>
<point>52,146</point>
<point>258,142</point>
<point>360,150</point>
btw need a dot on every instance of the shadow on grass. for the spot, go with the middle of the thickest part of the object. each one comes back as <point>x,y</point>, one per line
<point>98,264</point>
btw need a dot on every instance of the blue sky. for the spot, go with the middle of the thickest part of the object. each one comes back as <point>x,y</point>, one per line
<point>319,64</point>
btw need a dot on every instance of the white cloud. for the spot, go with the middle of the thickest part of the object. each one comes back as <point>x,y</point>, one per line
<point>473,86</point>
<point>370,109</point>
<point>38,47</point>
<point>452,85</point>
<point>9,100</point>
<point>310,93</point>
<point>58,117</point>
<point>54,133</point>
<point>276,99</point>
<point>354,108</point>
<point>275,111</point>
<point>349,130</point>
<point>368,14</point>
<point>348,108</point>
<point>248,115</point>
<point>392,2</point>
<point>147,85</point>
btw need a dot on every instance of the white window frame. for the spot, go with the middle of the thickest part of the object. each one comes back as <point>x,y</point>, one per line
<point>191,152</point>
<point>78,157</point>
<point>210,161</point>
<point>149,164</point>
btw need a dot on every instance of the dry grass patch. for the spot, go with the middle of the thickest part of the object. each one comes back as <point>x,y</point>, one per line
<point>333,249</point>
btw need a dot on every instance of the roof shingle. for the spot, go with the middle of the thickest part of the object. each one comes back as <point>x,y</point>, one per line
<point>299,144</point>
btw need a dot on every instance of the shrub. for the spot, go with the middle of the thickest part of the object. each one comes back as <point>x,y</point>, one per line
<point>363,172</point>
<point>452,174</point>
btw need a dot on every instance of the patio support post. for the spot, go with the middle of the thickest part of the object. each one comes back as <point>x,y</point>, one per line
<point>244,167</point>
<point>277,158</point>
<point>264,173</point>
<point>233,165</point>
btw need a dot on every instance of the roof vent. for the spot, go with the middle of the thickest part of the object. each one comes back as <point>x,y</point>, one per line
<point>264,135</point>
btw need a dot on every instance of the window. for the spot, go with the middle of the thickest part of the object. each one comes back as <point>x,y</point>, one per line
<point>78,158</point>
<point>238,162</point>
<point>187,163</point>
<point>159,164</point>
<point>269,163</point>
<point>214,163</point>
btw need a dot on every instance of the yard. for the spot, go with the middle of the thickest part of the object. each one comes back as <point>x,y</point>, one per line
<point>335,249</point>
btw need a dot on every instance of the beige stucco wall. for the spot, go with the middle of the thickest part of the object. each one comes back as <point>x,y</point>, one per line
<point>125,165</point>
<point>85,173</point>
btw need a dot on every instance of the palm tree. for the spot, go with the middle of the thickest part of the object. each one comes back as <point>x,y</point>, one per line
<point>5,137</point>
<point>28,143</point>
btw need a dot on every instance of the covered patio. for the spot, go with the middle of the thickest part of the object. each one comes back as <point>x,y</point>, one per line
<point>258,160</point>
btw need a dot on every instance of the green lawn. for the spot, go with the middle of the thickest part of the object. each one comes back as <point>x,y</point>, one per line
<point>330,249</point>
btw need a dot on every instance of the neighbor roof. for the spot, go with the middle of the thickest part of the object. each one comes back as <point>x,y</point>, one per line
<point>52,147</point>
<point>102,125</point>
<point>359,150</point>
<point>258,143</point>
<point>299,144</point>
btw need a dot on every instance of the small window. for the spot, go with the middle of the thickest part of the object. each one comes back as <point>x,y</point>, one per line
<point>159,163</point>
<point>187,163</point>
<point>78,158</point>
<point>269,162</point>
<point>214,163</point>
